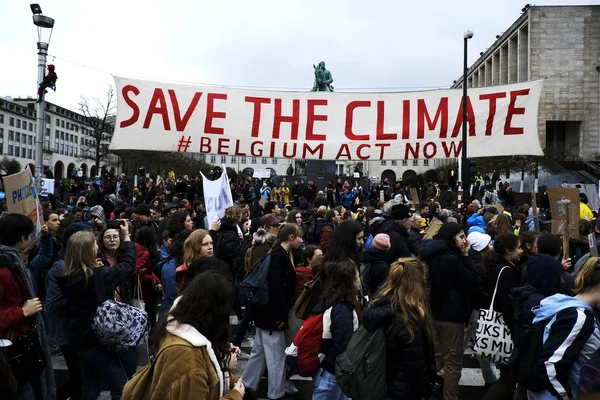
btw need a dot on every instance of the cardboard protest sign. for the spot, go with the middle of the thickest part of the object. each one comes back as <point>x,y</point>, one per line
<point>433,229</point>
<point>22,198</point>
<point>414,193</point>
<point>217,197</point>
<point>153,115</point>
<point>564,206</point>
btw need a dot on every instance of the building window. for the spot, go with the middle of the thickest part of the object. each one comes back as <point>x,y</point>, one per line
<point>62,135</point>
<point>383,162</point>
<point>62,148</point>
<point>1,147</point>
<point>18,123</point>
<point>10,150</point>
<point>47,131</point>
<point>17,137</point>
<point>58,122</point>
<point>47,144</point>
<point>213,159</point>
<point>1,118</point>
<point>1,135</point>
<point>56,145</point>
<point>47,119</point>
<point>76,140</point>
<point>23,152</point>
<point>394,163</point>
<point>11,135</point>
<point>62,123</point>
<point>29,153</point>
<point>30,127</point>
<point>426,163</point>
<point>71,151</point>
<point>11,121</point>
<point>404,163</point>
<point>243,159</point>
<point>415,163</point>
<point>253,160</point>
<point>264,160</point>
<point>30,140</point>
<point>203,157</point>
<point>233,159</point>
<point>274,161</point>
<point>223,159</point>
<point>75,152</point>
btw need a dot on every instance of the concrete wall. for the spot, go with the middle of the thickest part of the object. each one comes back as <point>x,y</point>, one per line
<point>564,45</point>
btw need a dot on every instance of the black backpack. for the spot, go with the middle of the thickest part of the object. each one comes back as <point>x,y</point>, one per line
<point>525,357</point>
<point>314,230</point>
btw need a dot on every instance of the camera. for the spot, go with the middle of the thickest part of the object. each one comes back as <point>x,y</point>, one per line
<point>114,224</point>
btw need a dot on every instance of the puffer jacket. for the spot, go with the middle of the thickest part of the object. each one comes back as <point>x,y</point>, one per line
<point>83,300</point>
<point>344,321</point>
<point>410,366</point>
<point>452,278</point>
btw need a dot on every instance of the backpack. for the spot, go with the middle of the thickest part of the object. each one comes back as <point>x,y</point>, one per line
<point>365,277</point>
<point>308,342</point>
<point>525,357</point>
<point>118,326</point>
<point>361,370</point>
<point>314,230</point>
<point>237,266</point>
<point>254,287</point>
<point>309,298</point>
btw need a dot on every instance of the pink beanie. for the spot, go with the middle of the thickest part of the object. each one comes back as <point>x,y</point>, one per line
<point>382,242</point>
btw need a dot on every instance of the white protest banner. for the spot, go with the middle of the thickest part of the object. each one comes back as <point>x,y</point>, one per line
<point>217,197</point>
<point>47,187</point>
<point>22,198</point>
<point>261,173</point>
<point>162,116</point>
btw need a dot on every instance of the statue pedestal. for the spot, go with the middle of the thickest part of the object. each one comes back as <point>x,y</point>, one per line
<point>321,171</point>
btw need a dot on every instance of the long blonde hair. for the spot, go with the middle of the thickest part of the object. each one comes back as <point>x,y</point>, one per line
<point>193,246</point>
<point>80,254</point>
<point>588,276</point>
<point>406,285</point>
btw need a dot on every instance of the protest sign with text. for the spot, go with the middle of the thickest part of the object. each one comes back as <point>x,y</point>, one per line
<point>161,116</point>
<point>22,198</point>
<point>217,197</point>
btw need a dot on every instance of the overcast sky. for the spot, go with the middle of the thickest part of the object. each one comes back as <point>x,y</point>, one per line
<point>259,43</point>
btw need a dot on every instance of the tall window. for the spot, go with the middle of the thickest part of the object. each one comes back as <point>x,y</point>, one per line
<point>264,160</point>
<point>274,161</point>
<point>30,127</point>
<point>18,137</point>
<point>11,135</point>
<point>416,163</point>
<point>10,150</point>
<point>213,159</point>
<point>23,152</point>
<point>383,162</point>
<point>1,118</point>
<point>404,163</point>
<point>203,157</point>
<point>30,140</point>
<point>11,121</point>
<point>394,162</point>
<point>233,159</point>
<point>253,160</point>
<point>426,163</point>
<point>223,159</point>
<point>243,160</point>
<point>18,123</point>
<point>29,153</point>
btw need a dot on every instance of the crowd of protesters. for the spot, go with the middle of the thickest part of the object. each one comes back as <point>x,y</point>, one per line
<point>370,258</point>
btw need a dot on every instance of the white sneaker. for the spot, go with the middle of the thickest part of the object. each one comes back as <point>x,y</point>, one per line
<point>290,388</point>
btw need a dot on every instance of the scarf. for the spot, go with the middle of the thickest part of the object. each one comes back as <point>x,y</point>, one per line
<point>46,380</point>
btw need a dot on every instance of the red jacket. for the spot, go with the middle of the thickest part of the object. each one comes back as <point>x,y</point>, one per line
<point>147,277</point>
<point>13,323</point>
<point>326,236</point>
<point>303,275</point>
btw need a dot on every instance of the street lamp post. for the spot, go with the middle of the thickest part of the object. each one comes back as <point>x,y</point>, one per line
<point>463,163</point>
<point>44,27</point>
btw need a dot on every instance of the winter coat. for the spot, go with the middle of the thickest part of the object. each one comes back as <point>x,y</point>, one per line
<point>410,362</point>
<point>147,278</point>
<point>83,300</point>
<point>57,307</point>
<point>262,241</point>
<point>512,277</point>
<point>226,242</point>
<point>169,284</point>
<point>571,336</point>
<point>476,220</point>
<point>281,284</point>
<point>303,276</point>
<point>186,368</point>
<point>339,324</point>
<point>399,238</point>
<point>479,298</point>
<point>284,195</point>
<point>326,236</point>
<point>378,272</point>
<point>452,278</point>
<point>347,199</point>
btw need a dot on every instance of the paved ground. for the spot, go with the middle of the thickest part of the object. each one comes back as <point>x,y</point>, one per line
<point>471,383</point>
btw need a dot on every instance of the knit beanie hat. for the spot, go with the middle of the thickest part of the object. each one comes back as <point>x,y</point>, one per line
<point>382,242</point>
<point>479,241</point>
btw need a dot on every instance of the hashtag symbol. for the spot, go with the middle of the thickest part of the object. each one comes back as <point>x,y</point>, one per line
<point>184,144</point>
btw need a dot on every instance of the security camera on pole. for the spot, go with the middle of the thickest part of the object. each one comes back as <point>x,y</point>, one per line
<point>462,163</point>
<point>44,26</point>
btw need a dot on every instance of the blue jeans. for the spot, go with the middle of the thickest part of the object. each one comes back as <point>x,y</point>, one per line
<point>326,387</point>
<point>99,366</point>
<point>24,392</point>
